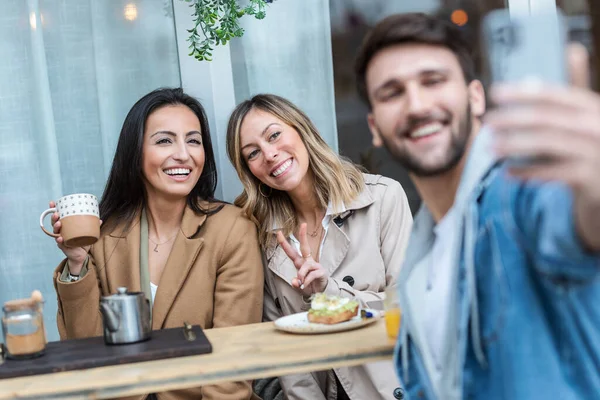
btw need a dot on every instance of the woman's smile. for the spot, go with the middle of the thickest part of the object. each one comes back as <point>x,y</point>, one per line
<point>282,169</point>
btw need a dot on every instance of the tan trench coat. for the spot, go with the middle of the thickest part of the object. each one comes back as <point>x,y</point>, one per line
<point>367,250</point>
<point>213,278</point>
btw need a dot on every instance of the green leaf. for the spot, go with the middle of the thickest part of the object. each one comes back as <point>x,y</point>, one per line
<point>218,22</point>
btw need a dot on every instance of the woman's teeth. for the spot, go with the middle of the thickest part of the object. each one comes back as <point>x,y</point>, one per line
<point>178,171</point>
<point>426,130</point>
<point>282,169</point>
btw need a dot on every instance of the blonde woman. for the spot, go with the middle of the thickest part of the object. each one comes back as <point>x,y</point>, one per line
<point>324,226</point>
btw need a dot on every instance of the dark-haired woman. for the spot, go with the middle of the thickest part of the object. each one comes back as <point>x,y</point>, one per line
<point>196,259</point>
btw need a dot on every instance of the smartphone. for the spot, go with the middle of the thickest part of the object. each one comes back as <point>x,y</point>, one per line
<point>527,49</point>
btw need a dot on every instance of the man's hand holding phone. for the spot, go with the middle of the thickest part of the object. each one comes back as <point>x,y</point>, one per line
<point>561,125</point>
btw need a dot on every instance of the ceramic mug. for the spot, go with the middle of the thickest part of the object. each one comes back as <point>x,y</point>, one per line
<point>79,217</point>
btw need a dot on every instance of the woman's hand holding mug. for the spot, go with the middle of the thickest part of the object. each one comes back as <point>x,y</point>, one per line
<point>75,255</point>
<point>312,277</point>
<point>76,226</point>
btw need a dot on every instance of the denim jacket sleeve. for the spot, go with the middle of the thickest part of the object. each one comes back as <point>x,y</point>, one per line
<point>544,215</point>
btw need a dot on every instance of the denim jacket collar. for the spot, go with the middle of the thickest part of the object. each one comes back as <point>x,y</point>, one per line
<point>480,162</point>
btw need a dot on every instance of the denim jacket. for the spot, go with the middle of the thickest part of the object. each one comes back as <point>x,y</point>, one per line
<point>525,299</point>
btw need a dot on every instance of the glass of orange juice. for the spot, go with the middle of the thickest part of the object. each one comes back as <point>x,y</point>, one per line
<point>392,314</point>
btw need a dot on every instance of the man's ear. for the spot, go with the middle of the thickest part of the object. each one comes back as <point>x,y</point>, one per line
<point>377,142</point>
<point>477,98</point>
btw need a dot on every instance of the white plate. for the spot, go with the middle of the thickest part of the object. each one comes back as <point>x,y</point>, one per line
<point>298,323</point>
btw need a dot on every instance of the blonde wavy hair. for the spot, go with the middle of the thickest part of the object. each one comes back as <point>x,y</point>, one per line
<point>337,180</point>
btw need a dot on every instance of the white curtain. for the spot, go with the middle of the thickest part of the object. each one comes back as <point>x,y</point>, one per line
<point>70,71</point>
<point>289,54</point>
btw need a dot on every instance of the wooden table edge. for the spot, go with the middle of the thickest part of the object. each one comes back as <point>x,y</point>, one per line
<point>184,382</point>
<point>28,391</point>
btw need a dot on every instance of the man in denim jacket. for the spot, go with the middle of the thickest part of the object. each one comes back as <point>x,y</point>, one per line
<point>500,290</point>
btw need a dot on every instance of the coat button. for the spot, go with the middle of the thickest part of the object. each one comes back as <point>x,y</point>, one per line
<point>277,303</point>
<point>349,280</point>
<point>398,393</point>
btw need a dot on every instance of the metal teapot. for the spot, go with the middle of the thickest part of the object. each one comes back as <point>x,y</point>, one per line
<point>126,317</point>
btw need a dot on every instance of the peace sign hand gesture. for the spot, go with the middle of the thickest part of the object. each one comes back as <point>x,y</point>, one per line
<point>312,277</point>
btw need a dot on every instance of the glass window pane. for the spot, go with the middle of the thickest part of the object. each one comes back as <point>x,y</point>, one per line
<point>72,69</point>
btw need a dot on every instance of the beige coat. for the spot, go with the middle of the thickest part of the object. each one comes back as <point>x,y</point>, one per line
<point>368,247</point>
<point>213,278</point>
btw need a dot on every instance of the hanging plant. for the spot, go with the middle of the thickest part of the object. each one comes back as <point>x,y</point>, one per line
<point>216,22</point>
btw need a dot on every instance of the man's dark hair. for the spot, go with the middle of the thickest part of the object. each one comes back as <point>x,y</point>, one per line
<point>412,28</point>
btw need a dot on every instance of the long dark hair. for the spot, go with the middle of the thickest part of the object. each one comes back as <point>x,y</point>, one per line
<point>124,195</point>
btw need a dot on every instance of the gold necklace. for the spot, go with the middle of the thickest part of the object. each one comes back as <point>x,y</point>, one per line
<point>159,244</point>
<point>314,233</point>
<point>317,254</point>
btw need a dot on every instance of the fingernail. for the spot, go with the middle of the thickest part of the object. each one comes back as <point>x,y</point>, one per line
<point>302,286</point>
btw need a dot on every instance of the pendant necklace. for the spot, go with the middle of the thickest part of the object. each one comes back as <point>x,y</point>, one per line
<point>314,233</point>
<point>159,244</point>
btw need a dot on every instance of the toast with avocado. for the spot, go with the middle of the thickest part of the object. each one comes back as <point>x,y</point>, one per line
<point>331,309</point>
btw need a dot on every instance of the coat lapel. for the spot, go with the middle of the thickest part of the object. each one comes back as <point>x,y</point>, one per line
<point>123,257</point>
<point>281,265</point>
<point>186,248</point>
<point>337,242</point>
<point>335,248</point>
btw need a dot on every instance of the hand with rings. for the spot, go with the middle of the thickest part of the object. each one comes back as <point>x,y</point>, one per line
<point>312,277</point>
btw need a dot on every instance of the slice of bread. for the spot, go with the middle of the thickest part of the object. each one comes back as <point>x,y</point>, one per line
<point>343,315</point>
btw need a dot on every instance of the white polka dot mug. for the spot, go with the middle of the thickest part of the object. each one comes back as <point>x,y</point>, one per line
<point>80,220</point>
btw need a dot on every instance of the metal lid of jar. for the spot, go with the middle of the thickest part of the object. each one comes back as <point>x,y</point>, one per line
<point>20,304</point>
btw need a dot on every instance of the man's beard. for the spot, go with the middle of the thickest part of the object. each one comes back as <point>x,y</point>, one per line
<point>458,145</point>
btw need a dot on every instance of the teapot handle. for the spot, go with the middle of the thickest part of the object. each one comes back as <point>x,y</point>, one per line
<point>149,313</point>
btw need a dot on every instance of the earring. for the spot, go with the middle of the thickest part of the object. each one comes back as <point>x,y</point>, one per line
<point>261,192</point>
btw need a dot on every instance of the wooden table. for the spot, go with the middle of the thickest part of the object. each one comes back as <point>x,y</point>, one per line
<point>239,353</point>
